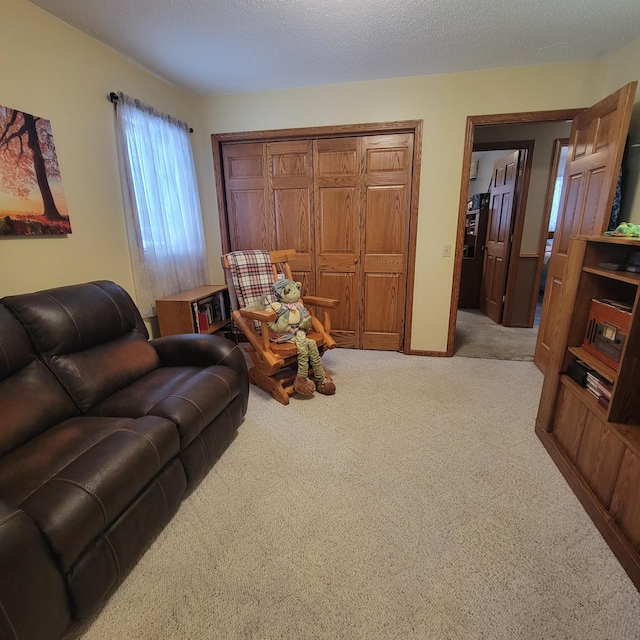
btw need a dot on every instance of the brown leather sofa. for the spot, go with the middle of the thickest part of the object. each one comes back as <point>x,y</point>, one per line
<point>102,434</point>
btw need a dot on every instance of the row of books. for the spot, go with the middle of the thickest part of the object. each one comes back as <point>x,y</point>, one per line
<point>209,311</point>
<point>599,387</point>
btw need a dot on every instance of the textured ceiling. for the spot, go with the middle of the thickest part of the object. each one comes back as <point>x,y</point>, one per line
<point>228,46</point>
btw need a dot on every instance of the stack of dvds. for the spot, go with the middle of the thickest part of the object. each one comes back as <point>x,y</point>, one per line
<point>600,388</point>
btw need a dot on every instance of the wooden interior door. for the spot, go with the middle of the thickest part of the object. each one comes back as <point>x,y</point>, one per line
<point>337,232</point>
<point>386,195</point>
<point>498,240</point>
<point>596,145</point>
<point>290,177</point>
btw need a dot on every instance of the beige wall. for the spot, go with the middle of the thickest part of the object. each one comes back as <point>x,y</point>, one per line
<point>52,70</point>
<point>486,160</point>
<point>443,102</point>
<point>544,136</point>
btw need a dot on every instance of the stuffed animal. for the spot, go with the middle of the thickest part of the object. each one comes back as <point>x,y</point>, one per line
<point>291,324</point>
<point>625,229</point>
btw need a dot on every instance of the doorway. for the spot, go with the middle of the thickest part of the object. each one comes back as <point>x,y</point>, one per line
<point>526,268</point>
<point>501,187</point>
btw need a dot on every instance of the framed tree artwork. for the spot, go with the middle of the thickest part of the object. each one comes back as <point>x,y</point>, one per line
<point>32,201</point>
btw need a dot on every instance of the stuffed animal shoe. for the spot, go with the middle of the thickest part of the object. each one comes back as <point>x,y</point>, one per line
<point>291,324</point>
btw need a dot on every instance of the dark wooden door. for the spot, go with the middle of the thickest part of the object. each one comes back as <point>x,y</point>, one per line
<point>596,145</point>
<point>498,241</point>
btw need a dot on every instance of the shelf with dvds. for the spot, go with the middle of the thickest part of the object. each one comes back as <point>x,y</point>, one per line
<point>204,309</point>
<point>473,257</point>
<point>589,413</point>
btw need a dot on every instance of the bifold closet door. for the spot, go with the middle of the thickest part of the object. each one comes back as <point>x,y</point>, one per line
<point>387,163</point>
<point>362,204</point>
<point>270,200</point>
<point>344,205</point>
<point>337,199</point>
<point>290,188</point>
<point>249,221</point>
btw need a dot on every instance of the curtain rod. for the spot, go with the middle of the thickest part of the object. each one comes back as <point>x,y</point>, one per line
<point>113,98</point>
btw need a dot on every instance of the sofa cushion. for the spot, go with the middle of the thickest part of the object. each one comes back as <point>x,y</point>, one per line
<point>191,397</point>
<point>15,349</point>
<point>75,317</point>
<point>95,373</point>
<point>91,335</point>
<point>112,554</point>
<point>31,398</point>
<point>78,477</point>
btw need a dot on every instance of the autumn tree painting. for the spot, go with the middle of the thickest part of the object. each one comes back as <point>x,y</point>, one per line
<point>31,197</point>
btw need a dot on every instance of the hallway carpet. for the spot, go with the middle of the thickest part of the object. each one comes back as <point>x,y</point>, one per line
<point>477,336</point>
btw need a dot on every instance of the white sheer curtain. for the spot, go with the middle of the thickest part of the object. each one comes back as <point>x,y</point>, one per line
<point>161,203</point>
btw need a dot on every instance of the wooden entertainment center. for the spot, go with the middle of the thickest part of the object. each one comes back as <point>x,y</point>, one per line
<point>595,443</point>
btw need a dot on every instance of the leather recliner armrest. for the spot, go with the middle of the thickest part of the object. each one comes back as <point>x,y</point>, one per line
<point>33,597</point>
<point>202,350</point>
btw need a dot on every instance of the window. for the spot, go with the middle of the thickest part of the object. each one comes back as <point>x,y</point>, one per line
<point>161,202</point>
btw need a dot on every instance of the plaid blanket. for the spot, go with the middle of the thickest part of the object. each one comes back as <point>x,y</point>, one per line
<point>251,276</point>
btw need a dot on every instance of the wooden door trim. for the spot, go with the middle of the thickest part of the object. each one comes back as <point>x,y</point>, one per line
<point>472,122</point>
<point>218,175</point>
<point>331,131</point>
<point>526,117</point>
<point>334,131</point>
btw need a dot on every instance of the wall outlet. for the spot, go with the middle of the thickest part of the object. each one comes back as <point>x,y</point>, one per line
<point>446,251</point>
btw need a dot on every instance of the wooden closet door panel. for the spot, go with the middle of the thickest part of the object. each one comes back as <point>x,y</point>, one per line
<point>382,320</point>
<point>250,222</point>
<point>337,232</point>
<point>291,201</point>
<point>387,169</point>
<point>342,286</point>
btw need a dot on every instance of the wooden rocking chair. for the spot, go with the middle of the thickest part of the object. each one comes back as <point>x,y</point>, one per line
<point>250,275</point>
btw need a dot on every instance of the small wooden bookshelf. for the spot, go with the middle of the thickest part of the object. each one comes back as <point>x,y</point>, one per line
<point>184,311</point>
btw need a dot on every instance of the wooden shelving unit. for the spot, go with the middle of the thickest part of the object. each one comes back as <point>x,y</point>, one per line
<point>597,448</point>
<point>176,313</point>
<point>475,233</point>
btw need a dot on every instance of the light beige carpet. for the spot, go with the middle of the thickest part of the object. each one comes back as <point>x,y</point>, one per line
<point>416,503</point>
<point>477,336</point>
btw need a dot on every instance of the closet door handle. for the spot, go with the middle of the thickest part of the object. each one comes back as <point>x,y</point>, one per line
<point>355,261</point>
